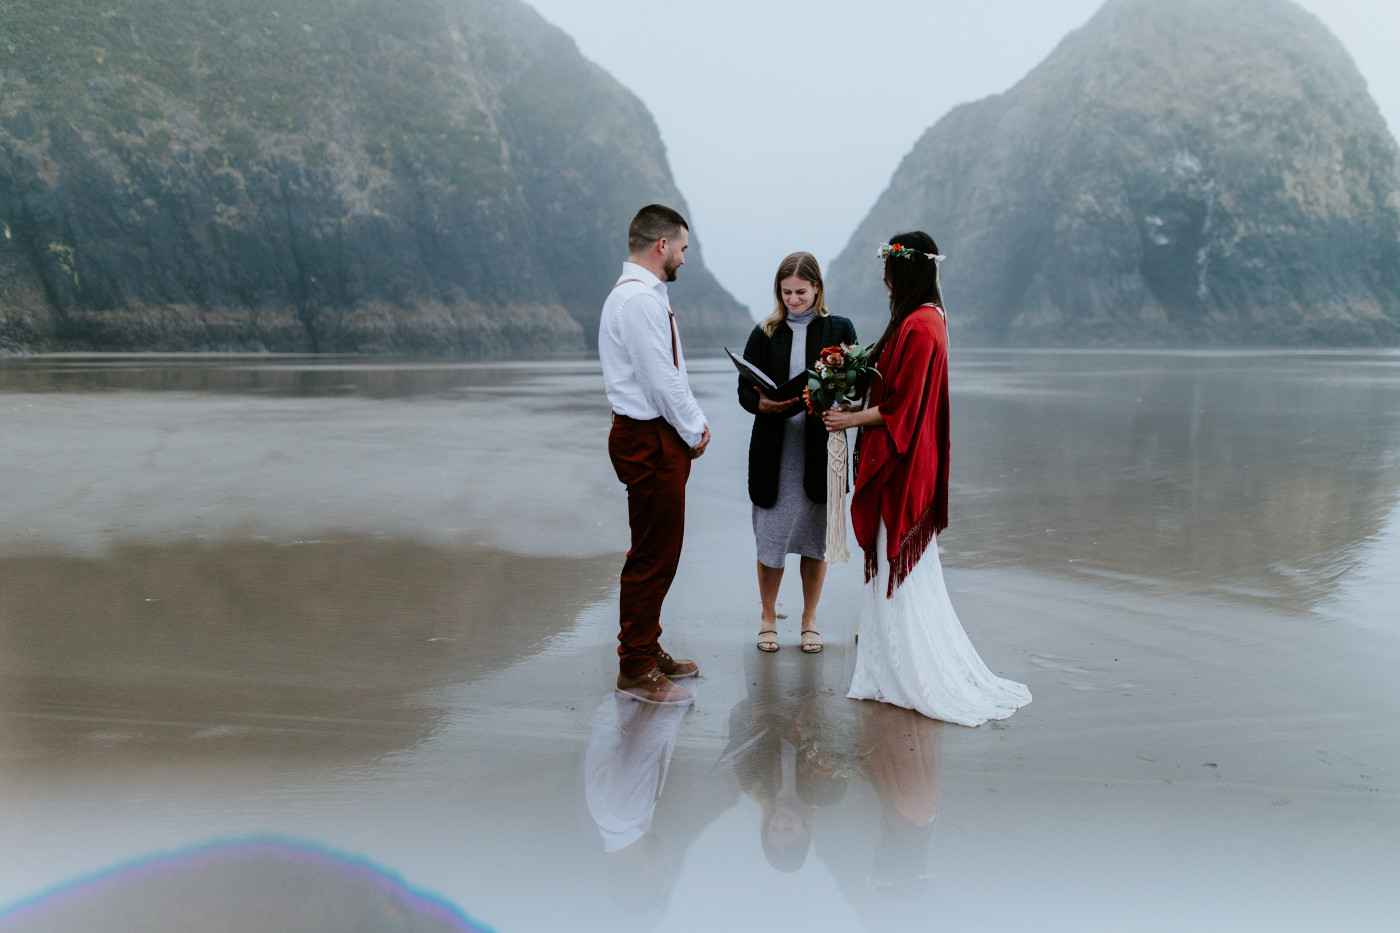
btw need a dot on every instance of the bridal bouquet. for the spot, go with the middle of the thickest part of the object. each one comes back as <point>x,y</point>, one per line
<point>839,378</point>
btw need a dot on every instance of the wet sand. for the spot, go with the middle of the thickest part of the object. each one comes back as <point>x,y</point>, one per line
<point>369,610</point>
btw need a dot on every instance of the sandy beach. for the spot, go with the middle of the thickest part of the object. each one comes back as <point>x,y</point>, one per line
<point>367,610</point>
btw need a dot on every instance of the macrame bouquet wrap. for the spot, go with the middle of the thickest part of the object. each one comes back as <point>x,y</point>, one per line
<point>836,460</point>
<point>840,377</point>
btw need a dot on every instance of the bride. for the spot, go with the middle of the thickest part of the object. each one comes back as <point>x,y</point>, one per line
<point>912,650</point>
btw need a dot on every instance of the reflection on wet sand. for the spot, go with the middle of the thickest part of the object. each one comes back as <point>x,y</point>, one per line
<point>285,652</point>
<point>227,614</point>
<point>796,745</point>
<point>236,888</point>
<point>903,763</point>
<point>292,377</point>
<point>790,744</point>
<point>624,772</point>
<point>1256,475</point>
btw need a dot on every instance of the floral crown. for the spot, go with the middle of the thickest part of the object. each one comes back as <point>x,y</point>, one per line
<point>887,250</point>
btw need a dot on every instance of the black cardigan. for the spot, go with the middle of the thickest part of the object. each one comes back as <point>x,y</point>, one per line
<point>772,355</point>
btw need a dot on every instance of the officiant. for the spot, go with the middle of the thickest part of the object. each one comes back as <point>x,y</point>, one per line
<point>787,447</point>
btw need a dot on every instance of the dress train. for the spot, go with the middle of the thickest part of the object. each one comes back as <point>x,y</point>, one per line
<point>914,653</point>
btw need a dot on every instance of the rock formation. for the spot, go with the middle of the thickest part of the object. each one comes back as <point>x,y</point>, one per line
<point>446,177</point>
<point>1175,173</point>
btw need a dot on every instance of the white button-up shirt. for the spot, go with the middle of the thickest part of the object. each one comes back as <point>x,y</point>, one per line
<point>634,345</point>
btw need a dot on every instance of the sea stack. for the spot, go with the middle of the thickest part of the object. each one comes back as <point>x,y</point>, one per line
<point>446,177</point>
<point>1185,173</point>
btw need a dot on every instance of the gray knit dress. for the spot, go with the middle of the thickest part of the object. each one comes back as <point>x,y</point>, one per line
<point>795,524</point>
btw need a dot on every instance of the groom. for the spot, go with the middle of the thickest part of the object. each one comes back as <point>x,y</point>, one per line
<point>657,429</point>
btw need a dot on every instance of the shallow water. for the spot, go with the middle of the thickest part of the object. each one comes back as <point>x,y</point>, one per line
<point>352,623</point>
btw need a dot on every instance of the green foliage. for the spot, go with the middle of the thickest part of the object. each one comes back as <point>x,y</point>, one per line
<point>255,69</point>
<point>314,152</point>
<point>157,142</point>
<point>240,143</point>
<point>840,375</point>
<point>124,108</point>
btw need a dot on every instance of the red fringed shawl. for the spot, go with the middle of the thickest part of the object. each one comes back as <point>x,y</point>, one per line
<point>903,465</point>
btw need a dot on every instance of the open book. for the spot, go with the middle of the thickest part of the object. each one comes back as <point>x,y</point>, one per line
<point>778,393</point>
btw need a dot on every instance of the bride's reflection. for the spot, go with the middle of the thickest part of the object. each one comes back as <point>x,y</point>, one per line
<point>624,770</point>
<point>903,763</point>
<point>790,746</point>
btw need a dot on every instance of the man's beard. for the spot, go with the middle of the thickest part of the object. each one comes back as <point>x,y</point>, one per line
<point>670,271</point>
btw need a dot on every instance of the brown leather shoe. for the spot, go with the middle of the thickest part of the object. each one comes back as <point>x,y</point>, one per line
<point>675,668</point>
<point>654,687</point>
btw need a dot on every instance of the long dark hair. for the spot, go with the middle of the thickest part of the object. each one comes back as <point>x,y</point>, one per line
<point>913,281</point>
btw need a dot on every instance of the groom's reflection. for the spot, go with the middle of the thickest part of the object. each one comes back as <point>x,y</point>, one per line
<point>624,770</point>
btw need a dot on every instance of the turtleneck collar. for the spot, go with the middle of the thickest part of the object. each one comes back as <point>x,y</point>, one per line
<point>802,318</point>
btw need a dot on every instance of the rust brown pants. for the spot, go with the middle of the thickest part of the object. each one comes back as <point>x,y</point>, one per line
<point>653,463</point>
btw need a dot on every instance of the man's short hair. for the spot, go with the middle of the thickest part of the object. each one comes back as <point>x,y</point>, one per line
<point>651,224</point>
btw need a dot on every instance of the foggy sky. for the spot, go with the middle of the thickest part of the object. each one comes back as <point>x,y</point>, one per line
<point>785,119</point>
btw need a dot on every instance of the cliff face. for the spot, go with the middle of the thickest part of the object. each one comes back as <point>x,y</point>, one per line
<point>396,176</point>
<point>1185,172</point>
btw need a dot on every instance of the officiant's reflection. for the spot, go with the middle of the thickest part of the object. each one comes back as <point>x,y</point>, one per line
<point>796,743</point>
<point>624,770</point>
<point>790,746</point>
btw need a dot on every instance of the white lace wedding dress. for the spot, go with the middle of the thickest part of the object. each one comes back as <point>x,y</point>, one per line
<point>914,653</point>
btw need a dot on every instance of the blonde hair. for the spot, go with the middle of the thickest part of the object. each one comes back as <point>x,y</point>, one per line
<point>804,266</point>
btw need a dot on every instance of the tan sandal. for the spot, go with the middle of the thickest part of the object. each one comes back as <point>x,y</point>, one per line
<point>768,644</point>
<point>813,646</point>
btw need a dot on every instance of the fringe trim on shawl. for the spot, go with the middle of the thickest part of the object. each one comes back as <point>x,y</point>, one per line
<point>914,543</point>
